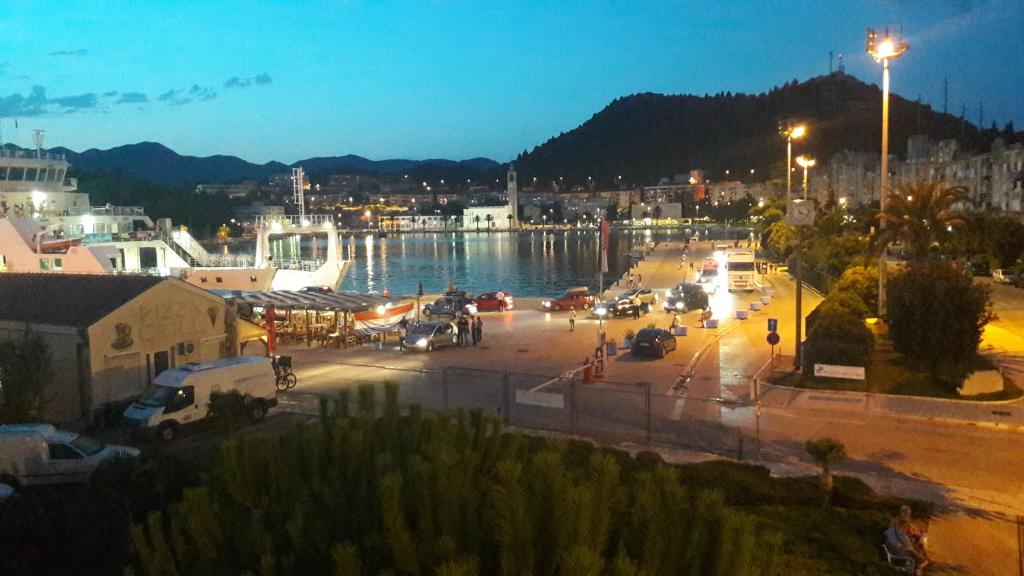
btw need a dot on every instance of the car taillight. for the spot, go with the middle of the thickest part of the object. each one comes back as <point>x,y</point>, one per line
<point>657,343</point>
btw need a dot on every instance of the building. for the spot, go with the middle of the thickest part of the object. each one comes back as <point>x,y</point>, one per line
<point>421,223</point>
<point>110,335</point>
<point>668,211</point>
<point>484,217</point>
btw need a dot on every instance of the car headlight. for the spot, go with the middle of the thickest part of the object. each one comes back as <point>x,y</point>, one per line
<point>422,342</point>
<point>547,304</point>
<point>679,305</point>
<point>668,293</point>
<point>601,310</point>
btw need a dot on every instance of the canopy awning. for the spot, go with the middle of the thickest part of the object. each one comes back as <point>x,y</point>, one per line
<point>314,301</point>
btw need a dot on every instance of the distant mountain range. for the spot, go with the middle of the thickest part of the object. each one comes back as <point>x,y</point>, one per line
<point>639,137</point>
<point>158,163</point>
<point>645,136</point>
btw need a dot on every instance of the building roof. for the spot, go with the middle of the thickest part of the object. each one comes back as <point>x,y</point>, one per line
<point>298,300</point>
<point>78,300</point>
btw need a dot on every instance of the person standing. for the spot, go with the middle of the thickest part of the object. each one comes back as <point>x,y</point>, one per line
<point>460,328</point>
<point>478,328</point>
<point>572,319</point>
<point>636,311</point>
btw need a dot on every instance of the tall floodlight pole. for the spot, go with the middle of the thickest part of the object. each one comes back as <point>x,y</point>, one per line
<point>791,133</point>
<point>883,48</point>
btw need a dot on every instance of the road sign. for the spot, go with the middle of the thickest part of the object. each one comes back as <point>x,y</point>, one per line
<point>773,338</point>
<point>834,371</point>
<point>773,324</point>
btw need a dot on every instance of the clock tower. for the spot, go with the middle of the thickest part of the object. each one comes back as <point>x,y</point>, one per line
<point>512,191</point>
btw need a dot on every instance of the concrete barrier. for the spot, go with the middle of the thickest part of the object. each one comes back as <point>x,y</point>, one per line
<point>711,323</point>
<point>742,314</point>
<point>755,306</point>
<point>766,300</point>
<point>768,292</point>
<point>679,331</point>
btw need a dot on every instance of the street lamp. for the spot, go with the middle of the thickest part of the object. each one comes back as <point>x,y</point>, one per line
<point>805,162</point>
<point>368,215</point>
<point>791,133</point>
<point>882,49</point>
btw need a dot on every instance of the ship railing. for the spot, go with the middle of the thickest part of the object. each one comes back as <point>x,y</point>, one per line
<point>297,264</point>
<point>282,222</point>
<point>30,154</point>
<point>232,261</point>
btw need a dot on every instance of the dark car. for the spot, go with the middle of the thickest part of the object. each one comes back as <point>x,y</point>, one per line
<point>653,342</point>
<point>628,303</point>
<point>494,301</point>
<point>686,297</point>
<point>450,306</point>
<point>576,298</point>
<point>426,336</point>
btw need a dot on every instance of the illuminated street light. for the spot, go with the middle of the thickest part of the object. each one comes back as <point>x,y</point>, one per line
<point>805,162</point>
<point>883,48</point>
<point>791,133</point>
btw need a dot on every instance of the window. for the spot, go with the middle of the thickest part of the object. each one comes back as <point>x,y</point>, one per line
<point>184,397</point>
<point>58,264</point>
<point>63,452</point>
<point>44,264</point>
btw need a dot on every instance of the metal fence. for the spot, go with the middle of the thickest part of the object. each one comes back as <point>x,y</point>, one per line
<point>566,404</point>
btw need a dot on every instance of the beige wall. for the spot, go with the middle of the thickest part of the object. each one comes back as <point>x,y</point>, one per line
<point>61,398</point>
<point>170,313</point>
<point>21,257</point>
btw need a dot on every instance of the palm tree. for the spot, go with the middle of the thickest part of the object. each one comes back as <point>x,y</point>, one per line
<point>490,221</point>
<point>412,221</point>
<point>920,213</point>
<point>510,218</point>
<point>657,212</point>
<point>826,452</point>
<point>477,220</point>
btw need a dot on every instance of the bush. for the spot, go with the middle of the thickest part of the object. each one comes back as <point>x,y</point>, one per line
<point>862,281</point>
<point>837,335</point>
<point>936,315</point>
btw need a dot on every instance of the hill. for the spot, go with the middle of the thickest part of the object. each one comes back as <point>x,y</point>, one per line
<point>645,136</point>
<point>157,163</point>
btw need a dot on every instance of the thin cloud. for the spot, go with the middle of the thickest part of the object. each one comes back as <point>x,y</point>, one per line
<point>178,97</point>
<point>78,52</point>
<point>37,103</point>
<point>132,98</point>
<point>110,94</point>
<point>257,80</point>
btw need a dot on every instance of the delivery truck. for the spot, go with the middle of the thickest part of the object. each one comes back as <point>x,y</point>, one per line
<point>180,397</point>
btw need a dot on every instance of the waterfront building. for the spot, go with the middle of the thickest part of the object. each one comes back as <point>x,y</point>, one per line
<point>417,223</point>
<point>110,335</point>
<point>486,217</point>
<point>657,211</point>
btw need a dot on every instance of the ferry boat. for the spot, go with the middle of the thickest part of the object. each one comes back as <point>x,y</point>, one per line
<point>47,225</point>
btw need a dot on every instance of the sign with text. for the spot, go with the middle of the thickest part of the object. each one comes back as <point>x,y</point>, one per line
<point>836,371</point>
<point>773,324</point>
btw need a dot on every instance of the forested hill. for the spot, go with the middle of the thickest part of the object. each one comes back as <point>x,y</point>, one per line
<point>644,136</point>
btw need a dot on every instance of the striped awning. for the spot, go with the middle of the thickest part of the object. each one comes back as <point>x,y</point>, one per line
<point>316,301</point>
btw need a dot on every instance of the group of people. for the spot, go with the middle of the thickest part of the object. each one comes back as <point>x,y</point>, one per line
<point>471,327</point>
<point>905,538</point>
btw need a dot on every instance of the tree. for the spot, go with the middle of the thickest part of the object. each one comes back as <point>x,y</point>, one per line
<point>25,367</point>
<point>936,314</point>
<point>920,213</point>
<point>490,221</point>
<point>510,219</point>
<point>476,219</point>
<point>657,212</point>
<point>229,408</point>
<point>826,452</point>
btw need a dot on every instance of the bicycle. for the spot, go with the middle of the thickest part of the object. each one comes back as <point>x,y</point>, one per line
<point>285,378</point>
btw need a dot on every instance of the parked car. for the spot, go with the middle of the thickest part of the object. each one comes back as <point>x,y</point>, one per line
<point>708,280</point>
<point>494,301</point>
<point>628,302</point>
<point>450,306</point>
<point>1003,276</point>
<point>573,298</point>
<point>317,289</point>
<point>427,336</point>
<point>35,454</point>
<point>180,397</point>
<point>685,297</point>
<point>653,342</point>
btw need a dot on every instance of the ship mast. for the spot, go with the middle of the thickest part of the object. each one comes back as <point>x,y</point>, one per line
<point>298,194</point>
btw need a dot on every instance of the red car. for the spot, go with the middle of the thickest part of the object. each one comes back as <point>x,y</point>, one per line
<point>577,298</point>
<point>497,301</point>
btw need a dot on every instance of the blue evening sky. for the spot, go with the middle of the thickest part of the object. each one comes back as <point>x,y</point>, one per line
<point>286,80</point>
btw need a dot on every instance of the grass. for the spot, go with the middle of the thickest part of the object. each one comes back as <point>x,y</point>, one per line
<point>891,373</point>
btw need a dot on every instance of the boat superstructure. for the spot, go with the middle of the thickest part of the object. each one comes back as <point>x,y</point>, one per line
<point>46,225</point>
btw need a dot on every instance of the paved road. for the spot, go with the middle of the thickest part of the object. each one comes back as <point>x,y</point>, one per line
<point>961,467</point>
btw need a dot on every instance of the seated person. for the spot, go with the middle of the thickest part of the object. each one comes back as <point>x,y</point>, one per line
<point>912,531</point>
<point>899,544</point>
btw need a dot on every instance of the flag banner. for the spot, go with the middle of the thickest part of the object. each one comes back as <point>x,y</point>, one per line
<point>604,246</point>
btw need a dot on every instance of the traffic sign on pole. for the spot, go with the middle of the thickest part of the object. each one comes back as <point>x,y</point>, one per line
<point>773,338</point>
<point>773,324</point>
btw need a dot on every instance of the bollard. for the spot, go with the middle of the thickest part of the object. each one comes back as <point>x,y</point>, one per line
<point>711,323</point>
<point>742,314</point>
<point>766,300</point>
<point>679,331</point>
<point>755,306</point>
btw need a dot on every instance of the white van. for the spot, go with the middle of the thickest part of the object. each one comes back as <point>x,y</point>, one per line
<point>181,396</point>
<point>34,454</point>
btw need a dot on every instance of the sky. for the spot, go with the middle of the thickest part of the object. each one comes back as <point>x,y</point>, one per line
<point>286,80</point>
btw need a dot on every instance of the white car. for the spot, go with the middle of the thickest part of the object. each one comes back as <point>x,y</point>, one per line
<point>1002,276</point>
<point>35,454</point>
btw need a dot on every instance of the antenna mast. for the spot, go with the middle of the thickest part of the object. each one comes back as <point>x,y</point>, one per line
<point>298,194</point>
<point>38,136</point>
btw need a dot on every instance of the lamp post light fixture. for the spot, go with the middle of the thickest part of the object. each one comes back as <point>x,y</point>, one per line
<point>805,162</point>
<point>791,132</point>
<point>883,48</point>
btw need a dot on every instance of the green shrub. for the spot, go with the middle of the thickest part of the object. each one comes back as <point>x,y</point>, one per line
<point>862,281</point>
<point>836,335</point>
<point>936,316</point>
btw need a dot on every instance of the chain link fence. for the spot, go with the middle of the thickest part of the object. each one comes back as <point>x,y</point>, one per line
<point>566,404</point>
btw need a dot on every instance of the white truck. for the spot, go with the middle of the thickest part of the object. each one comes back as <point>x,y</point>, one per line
<point>36,454</point>
<point>180,396</point>
<point>742,269</point>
